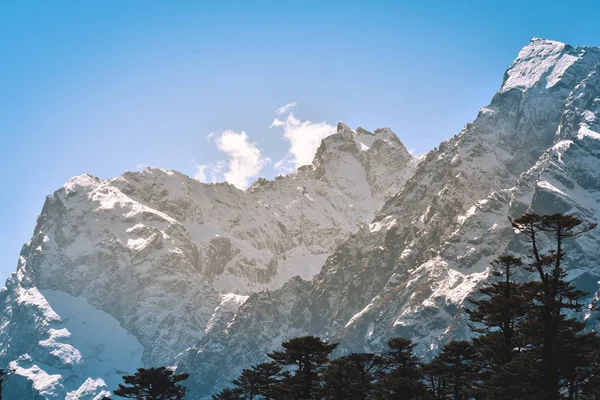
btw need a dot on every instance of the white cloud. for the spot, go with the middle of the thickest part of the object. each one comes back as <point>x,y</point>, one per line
<point>201,173</point>
<point>277,122</point>
<point>210,173</point>
<point>244,160</point>
<point>286,108</point>
<point>304,137</point>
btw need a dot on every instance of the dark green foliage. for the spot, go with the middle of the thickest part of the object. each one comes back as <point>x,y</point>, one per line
<point>153,384</point>
<point>435,380</point>
<point>502,308</point>
<point>547,329</point>
<point>497,314</point>
<point>453,372</point>
<point>400,358</point>
<point>307,355</point>
<point>530,347</point>
<point>353,377</point>
<point>264,380</point>
<point>405,373</point>
<point>4,374</point>
<point>229,394</point>
<point>247,384</point>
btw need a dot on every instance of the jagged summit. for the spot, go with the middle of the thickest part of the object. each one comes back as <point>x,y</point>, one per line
<point>363,131</point>
<point>353,159</point>
<point>364,139</point>
<point>545,63</point>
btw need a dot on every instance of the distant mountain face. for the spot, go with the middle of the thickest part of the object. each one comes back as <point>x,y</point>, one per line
<point>132,271</point>
<point>364,244</point>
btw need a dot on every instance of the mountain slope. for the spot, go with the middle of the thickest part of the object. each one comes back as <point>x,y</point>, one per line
<point>429,247</point>
<point>363,244</point>
<point>162,260</point>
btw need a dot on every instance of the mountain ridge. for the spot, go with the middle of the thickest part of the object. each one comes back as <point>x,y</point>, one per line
<point>205,275</point>
<point>172,259</point>
<point>429,247</point>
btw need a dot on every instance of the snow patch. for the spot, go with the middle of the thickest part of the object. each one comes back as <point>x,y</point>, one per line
<point>33,298</point>
<point>589,116</point>
<point>77,336</point>
<point>44,383</point>
<point>470,212</point>
<point>538,59</point>
<point>298,262</point>
<point>230,302</point>
<point>561,147</point>
<point>548,186</point>
<point>91,387</point>
<point>386,223</point>
<point>359,314</point>
<point>85,182</point>
<point>585,131</point>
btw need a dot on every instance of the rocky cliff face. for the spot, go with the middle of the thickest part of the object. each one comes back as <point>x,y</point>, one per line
<point>131,271</point>
<point>363,244</point>
<point>535,147</point>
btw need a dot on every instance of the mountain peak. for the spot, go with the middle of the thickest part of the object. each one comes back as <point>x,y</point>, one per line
<point>342,128</point>
<point>347,140</point>
<point>539,40</point>
<point>85,181</point>
<point>542,62</point>
<point>363,131</point>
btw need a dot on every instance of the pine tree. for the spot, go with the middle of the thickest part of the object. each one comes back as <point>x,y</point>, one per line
<point>269,377</point>
<point>247,384</point>
<point>496,316</point>
<point>434,377</point>
<point>308,354</point>
<point>501,310</point>
<point>261,380</point>
<point>403,378</point>
<point>229,394</point>
<point>353,377</point>
<point>547,329</point>
<point>453,372</point>
<point>153,384</point>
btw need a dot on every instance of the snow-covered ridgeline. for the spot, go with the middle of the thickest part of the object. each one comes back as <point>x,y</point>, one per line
<point>160,260</point>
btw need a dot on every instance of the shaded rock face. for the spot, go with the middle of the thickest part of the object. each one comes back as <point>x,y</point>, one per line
<point>363,244</point>
<point>131,271</point>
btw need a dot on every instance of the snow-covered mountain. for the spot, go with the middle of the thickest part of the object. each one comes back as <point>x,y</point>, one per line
<point>363,244</point>
<point>131,271</point>
<point>535,147</point>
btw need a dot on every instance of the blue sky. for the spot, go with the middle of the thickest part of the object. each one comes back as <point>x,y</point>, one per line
<point>104,87</point>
